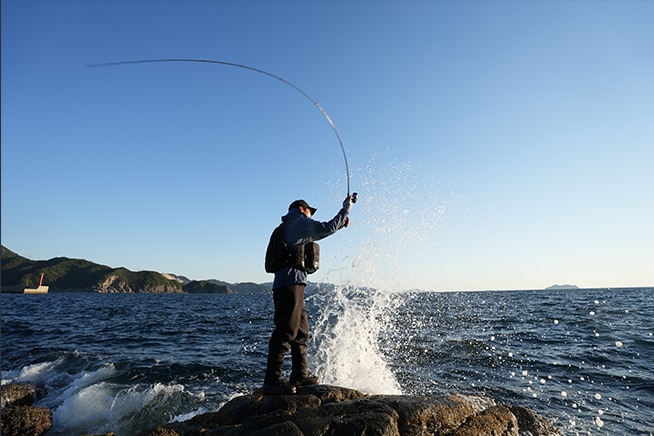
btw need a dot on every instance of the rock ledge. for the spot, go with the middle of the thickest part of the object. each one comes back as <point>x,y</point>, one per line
<point>19,416</point>
<point>331,410</point>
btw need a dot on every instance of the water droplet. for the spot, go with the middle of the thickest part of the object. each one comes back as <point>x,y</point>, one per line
<point>564,394</point>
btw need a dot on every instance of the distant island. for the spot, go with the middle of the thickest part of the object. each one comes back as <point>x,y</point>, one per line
<point>63,274</point>
<point>549,288</point>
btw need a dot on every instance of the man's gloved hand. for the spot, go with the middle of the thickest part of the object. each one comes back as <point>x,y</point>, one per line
<point>347,204</point>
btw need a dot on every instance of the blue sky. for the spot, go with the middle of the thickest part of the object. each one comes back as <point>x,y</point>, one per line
<point>494,145</point>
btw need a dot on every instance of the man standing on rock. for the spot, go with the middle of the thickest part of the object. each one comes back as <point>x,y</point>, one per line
<point>291,261</point>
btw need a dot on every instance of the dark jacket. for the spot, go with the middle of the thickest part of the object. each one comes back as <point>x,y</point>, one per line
<point>301,230</point>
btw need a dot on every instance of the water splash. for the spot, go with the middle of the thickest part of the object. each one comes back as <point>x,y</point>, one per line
<point>346,337</point>
<point>396,216</point>
<point>94,396</point>
<point>110,407</point>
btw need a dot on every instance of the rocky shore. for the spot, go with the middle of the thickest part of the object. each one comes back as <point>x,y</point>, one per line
<point>317,410</point>
<point>19,416</point>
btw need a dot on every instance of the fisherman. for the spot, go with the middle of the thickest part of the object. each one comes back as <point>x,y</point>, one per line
<point>291,324</point>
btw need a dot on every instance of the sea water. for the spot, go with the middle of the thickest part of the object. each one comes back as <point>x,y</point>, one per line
<point>125,362</point>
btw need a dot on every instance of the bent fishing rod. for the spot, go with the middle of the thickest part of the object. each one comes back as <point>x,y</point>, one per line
<point>231,64</point>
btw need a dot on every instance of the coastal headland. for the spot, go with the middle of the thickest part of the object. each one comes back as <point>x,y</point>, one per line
<point>64,274</point>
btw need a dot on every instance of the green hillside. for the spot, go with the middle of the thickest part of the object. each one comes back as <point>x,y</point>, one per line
<point>64,274</point>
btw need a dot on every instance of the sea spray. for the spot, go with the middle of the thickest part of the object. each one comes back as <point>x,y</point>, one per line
<point>402,215</point>
<point>396,217</point>
<point>346,340</point>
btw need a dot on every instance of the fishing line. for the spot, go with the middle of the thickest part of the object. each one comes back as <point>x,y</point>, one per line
<point>231,64</point>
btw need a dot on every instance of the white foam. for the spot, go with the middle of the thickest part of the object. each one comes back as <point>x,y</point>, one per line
<point>88,407</point>
<point>88,402</point>
<point>36,373</point>
<point>187,416</point>
<point>85,379</point>
<point>104,407</point>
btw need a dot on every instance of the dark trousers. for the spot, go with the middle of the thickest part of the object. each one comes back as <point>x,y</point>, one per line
<point>291,332</point>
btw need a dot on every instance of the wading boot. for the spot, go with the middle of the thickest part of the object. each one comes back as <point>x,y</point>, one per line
<point>300,375</point>
<point>305,379</point>
<point>278,387</point>
<point>272,382</point>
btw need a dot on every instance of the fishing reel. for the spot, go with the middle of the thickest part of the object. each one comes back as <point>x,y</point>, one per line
<point>355,197</point>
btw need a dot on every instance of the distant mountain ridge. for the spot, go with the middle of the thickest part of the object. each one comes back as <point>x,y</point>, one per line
<point>63,274</point>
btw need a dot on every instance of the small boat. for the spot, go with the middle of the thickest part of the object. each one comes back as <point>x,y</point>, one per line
<point>40,290</point>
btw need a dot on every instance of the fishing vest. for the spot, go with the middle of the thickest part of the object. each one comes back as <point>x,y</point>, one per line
<point>280,255</point>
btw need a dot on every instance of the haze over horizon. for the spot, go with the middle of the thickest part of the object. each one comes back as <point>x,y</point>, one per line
<point>494,145</point>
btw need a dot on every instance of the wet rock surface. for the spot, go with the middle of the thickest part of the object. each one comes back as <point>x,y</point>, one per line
<point>21,395</point>
<point>316,411</point>
<point>25,420</point>
<point>331,410</point>
<point>19,416</point>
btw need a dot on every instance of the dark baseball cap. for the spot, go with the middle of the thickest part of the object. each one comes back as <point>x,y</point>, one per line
<point>297,203</point>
